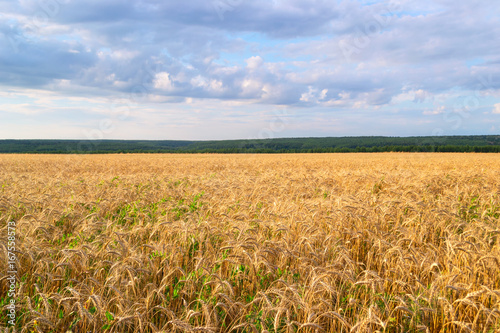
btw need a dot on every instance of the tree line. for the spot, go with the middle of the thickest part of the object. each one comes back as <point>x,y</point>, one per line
<point>478,143</point>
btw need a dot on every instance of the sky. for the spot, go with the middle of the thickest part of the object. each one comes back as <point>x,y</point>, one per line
<point>241,69</point>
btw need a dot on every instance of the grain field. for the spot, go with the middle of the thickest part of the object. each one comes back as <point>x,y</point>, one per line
<point>252,243</point>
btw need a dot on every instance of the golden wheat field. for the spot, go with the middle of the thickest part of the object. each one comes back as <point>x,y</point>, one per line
<point>253,243</point>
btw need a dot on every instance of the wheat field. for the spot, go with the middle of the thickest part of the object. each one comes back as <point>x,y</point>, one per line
<point>253,243</point>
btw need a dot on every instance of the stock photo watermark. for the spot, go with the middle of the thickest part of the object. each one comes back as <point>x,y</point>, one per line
<point>11,273</point>
<point>465,106</point>
<point>278,123</point>
<point>46,10</point>
<point>363,35</point>
<point>121,109</point>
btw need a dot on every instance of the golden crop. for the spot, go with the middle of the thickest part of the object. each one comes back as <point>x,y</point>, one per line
<point>254,243</point>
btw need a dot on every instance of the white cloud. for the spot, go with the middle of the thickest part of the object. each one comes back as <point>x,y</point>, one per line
<point>251,87</point>
<point>211,85</point>
<point>308,96</point>
<point>420,96</point>
<point>323,94</point>
<point>496,109</point>
<point>199,81</point>
<point>412,95</point>
<point>254,62</point>
<point>436,111</point>
<point>162,81</point>
<point>312,95</point>
<point>216,86</point>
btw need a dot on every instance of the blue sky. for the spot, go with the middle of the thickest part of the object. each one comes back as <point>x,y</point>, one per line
<point>238,69</point>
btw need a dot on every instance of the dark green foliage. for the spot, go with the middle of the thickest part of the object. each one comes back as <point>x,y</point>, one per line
<point>477,143</point>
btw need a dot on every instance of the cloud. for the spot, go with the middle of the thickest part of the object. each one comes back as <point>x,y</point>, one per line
<point>323,94</point>
<point>254,62</point>
<point>414,58</point>
<point>209,85</point>
<point>309,95</point>
<point>188,40</point>
<point>162,81</point>
<point>433,112</point>
<point>496,109</point>
<point>421,96</point>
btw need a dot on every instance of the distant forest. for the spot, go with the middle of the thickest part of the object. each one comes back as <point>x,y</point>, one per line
<point>476,143</point>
